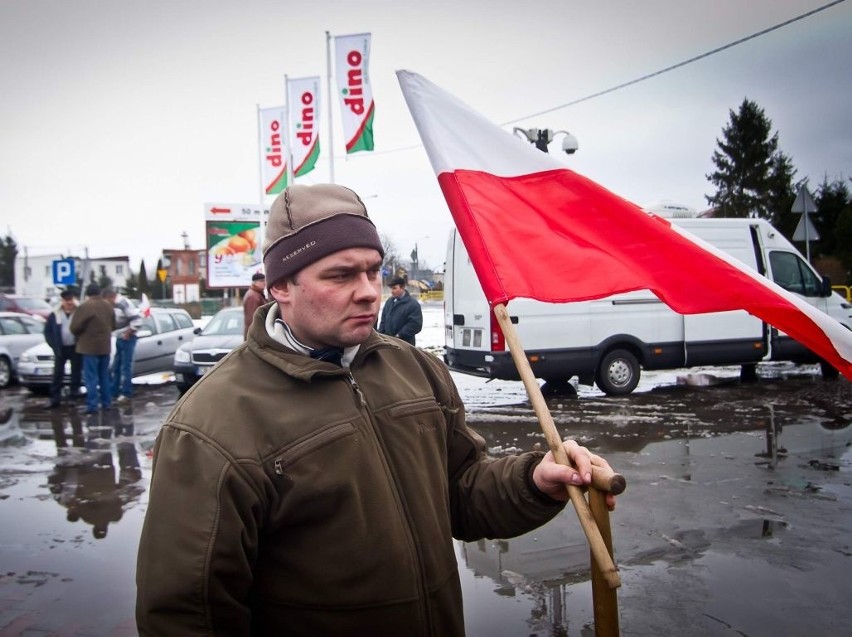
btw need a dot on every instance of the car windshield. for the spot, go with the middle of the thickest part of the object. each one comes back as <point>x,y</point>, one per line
<point>32,304</point>
<point>223,323</point>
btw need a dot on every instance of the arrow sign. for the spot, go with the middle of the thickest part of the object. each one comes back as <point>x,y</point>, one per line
<point>804,202</point>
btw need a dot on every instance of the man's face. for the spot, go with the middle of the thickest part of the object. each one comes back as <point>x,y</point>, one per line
<point>333,301</point>
<point>68,304</point>
<point>259,284</point>
<point>397,290</point>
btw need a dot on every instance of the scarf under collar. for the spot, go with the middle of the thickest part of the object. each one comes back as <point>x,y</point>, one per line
<point>281,333</point>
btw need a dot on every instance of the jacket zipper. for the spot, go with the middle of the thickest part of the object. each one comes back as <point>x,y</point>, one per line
<point>421,571</point>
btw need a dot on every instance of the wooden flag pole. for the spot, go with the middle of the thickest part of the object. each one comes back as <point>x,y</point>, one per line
<point>596,543</point>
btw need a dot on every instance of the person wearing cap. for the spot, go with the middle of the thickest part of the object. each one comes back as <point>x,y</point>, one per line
<point>311,483</point>
<point>57,333</point>
<point>92,324</point>
<point>254,298</point>
<point>401,315</point>
<point>129,320</point>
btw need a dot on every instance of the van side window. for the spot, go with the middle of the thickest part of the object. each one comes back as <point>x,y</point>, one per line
<point>793,274</point>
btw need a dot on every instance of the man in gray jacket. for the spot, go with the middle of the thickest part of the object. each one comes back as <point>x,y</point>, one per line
<point>312,482</point>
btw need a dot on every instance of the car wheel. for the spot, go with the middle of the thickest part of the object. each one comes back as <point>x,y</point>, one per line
<point>618,372</point>
<point>5,372</point>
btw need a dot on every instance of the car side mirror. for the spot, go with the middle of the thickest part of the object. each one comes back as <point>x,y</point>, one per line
<point>196,331</point>
<point>826,286</point>
<point>144,332</point>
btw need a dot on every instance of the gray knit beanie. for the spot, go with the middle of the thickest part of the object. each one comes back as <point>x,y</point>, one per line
<point>307,223</point>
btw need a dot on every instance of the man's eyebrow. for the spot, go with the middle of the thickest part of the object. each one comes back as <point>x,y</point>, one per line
<point>345,268</point>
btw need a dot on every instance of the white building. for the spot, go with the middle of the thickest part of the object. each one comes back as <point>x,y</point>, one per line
<point>34,273</point>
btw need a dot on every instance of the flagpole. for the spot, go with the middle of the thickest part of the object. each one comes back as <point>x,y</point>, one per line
<point>259,160</point>
<point>288,153</point>
<point>330,120</point>
<point>554,442</point>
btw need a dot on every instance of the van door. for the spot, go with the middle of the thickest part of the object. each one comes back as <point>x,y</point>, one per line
<point>792,273</point>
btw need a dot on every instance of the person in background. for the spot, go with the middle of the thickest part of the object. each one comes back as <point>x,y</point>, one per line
<point>92,325</point>
<point>129,321</point>
<point>316,476</point>
<point>58,335</point>
<point>254,298</point>
<point>402,316</point>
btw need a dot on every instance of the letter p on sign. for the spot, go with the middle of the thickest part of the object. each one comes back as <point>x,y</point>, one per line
<point>63,272</point>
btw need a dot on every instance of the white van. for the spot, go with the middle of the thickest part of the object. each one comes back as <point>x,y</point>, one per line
<point>608,341</point>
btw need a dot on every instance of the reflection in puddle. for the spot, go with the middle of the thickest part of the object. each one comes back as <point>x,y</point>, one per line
<point>96,472</point>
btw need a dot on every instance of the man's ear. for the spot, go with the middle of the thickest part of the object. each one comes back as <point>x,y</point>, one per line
<point>281,290</point>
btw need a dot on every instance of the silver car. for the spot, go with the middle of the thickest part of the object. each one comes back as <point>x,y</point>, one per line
<point>161,334</point>
<point>18,332</point>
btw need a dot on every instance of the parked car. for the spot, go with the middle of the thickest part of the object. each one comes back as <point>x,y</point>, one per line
<point>18,333</point>
<point>221,334</point>
<point>161,334</point>
<point>25,305</point>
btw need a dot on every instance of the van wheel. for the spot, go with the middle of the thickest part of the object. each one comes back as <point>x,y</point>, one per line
<point>618,372</point>
<point>558,388</point>
<point>829,372</point>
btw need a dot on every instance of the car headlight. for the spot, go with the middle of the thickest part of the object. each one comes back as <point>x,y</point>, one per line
<point>27,358</point>
<point>182,356</point>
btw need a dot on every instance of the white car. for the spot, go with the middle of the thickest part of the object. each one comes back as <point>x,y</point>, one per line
<point>161,334</point>
<point>18,332</point>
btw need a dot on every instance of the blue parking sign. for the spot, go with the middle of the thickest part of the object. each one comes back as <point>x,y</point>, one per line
<point>63,272</point>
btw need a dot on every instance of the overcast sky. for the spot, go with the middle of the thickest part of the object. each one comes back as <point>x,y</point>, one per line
<point>119,120</point>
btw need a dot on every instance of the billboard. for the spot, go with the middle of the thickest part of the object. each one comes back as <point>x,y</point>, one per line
<point>234,234</point>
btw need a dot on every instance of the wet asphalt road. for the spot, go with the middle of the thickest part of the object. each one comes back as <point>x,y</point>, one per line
<point>736,519</point>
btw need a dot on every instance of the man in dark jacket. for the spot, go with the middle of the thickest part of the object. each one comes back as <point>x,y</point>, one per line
<point>311,482</point>
<point>402,316</point>
<point>58,335</point>
<point>92,324</point>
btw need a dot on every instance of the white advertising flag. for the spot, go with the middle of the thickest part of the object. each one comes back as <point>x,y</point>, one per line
<point>304,108</point>
<point>273,156</point>
<point>352,57</point>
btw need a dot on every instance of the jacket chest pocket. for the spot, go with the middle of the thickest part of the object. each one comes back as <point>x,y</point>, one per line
<point>310,444</point>
<point>421,419</point>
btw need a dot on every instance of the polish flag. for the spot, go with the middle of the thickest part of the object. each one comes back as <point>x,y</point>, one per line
<point>535,229</point>
<point>145,306</point>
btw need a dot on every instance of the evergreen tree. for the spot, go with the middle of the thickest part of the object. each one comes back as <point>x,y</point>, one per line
<point>144,284</point>
<point>751,175</point>
<point>843,236</point>
<point>781,194</point>
<point>831,200</point>
<point>131,286</point>
<point>8,254</point>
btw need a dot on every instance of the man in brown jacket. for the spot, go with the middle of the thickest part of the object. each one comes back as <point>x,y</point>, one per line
<point>92,324</point>
<point>312,482</point>
<point>254,298</point>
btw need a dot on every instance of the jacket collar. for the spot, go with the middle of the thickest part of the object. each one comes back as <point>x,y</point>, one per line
<point>297,364</point>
